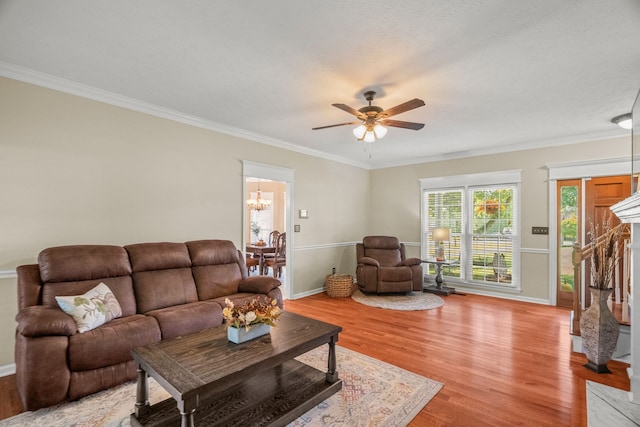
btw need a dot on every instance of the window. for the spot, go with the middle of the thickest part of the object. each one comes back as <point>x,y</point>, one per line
<point>261,220</point>
<point>481,212</point>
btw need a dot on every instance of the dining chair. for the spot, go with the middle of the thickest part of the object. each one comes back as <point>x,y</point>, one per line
<point>279,258</point>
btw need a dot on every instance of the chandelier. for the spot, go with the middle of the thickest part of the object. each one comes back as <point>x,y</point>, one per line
<point>258,204</point>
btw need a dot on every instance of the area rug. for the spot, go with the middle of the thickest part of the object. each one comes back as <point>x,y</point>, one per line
<point>410,301</point>
<point>373,393</point>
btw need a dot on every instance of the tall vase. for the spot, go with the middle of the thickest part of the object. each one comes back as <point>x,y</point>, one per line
<point>599,330</point>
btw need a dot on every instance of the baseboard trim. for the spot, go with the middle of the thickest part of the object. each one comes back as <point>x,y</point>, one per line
<point>6,370</point>
<point>486,293</point>
<point>308,293</point>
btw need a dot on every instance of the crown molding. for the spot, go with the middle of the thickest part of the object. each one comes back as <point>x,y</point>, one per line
<point>67,86</point>
<point>78,89</point>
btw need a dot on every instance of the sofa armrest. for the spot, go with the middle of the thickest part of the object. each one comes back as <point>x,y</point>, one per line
<point>368,261</point>
<point>258,284</point>
<point>411,261</point>
<point>38,320</point>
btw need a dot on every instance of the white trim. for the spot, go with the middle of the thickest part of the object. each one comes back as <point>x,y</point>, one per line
<point>6,370</point>
<point>8,274</point>
<point>589,168</point>
<point>583,169</point>
<point>466,183</point>
<point>307,293</point>
<point>37,78</point>
<point>325,246</point>
<point>489,293</point>
<point>56,83</point>
<point>534,251</point>
<point>485,178</point>
<point>261,170</point>
<point>526,145</point>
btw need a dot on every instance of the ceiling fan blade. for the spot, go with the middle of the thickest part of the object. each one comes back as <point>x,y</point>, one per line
<point>409,105</point>
<point>351,110</point>
<point>401,124</point>
<point>332,126</point>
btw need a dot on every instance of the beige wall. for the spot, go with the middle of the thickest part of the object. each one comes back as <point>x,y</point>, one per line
<point>395,200</point>
<point>76,171</point>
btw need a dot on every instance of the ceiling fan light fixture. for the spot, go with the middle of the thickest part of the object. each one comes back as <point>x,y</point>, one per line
<point>360,131</point>
<point>624,121</point>
<point>380,131</point>
<point>369,136</point>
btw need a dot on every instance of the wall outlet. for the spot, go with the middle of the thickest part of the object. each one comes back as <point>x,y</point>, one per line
<point>539,230</point>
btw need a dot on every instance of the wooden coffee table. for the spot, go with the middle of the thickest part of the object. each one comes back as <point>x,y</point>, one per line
<point>215,382</point>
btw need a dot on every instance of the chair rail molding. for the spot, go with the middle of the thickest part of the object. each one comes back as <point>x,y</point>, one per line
<point>8,274</point>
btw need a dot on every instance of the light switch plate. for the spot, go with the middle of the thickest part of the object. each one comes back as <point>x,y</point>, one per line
<point>539,230</point>
<point>296,228</point>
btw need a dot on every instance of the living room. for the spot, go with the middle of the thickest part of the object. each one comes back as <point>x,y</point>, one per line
<point>81,166</point>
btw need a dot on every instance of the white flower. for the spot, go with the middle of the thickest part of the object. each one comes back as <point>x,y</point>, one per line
<point>250,317</point>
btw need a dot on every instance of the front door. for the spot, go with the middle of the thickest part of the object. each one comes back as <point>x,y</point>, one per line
<point>600,195</point>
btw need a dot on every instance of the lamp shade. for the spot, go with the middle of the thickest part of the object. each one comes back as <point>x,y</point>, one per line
<point>380,131</point>
<point>359,131</point>
<point>440,234</point>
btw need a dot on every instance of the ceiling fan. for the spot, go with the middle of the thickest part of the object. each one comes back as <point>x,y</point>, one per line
<point>373,118</point>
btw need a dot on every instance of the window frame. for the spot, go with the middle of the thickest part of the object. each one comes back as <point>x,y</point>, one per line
<point>467,183</point>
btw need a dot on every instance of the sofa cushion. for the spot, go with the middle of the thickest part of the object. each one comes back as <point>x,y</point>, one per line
<point>161,275</point>
<point>112,342</point>
<point>216,267</point>
<point>385,249</point>
<point>163,288</point>
<point>187,318</point>
<point>394,274</point>
<point>91,309</point>
<point>83,262</point>
<point>212,252</point>
<point>158,256</point>
<point>214,281</point>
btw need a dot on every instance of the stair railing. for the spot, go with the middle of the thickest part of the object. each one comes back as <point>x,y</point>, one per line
<point>581,254</point>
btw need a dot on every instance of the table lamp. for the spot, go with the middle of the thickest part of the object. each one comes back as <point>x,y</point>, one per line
<point>440,234</point>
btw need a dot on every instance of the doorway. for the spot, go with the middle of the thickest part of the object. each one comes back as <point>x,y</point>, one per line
<point>582,202</point>
<point>276,187</point>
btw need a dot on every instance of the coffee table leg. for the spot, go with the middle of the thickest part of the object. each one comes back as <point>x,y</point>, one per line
<point>332,374</point>
<point>142,393</point>
<point>187,419</point>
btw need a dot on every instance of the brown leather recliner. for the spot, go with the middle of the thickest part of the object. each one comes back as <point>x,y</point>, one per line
<point>383,267</point>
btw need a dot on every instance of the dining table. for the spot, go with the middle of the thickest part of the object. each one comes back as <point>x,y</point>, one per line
<point>259,251</point>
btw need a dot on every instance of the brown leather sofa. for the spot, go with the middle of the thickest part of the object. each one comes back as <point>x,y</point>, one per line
<point>383,267</point>
<point>164,289</point>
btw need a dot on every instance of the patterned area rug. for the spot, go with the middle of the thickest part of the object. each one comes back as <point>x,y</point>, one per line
<point>373,393</point>
<point>410,301</point>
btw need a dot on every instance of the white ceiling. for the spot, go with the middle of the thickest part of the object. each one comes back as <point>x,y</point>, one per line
<point>495,75</point>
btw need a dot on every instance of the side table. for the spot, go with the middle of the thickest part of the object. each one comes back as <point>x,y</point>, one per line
<point>438,288</point>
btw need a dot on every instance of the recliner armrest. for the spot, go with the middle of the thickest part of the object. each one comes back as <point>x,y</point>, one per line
<point>411,261</point>
<point>368,261</point>
<point>38,320</point>
<point>258,284</point>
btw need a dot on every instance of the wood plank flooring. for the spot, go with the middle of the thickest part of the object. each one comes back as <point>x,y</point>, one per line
<point>503,363</point>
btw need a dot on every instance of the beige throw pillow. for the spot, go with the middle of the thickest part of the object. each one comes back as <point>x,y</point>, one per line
<point>92,309</point>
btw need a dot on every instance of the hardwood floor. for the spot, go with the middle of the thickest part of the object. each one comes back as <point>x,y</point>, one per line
<point>503,363</point>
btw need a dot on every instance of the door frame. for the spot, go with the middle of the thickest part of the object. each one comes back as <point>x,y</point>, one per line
<point>274,173</point>
<point>573,170</point>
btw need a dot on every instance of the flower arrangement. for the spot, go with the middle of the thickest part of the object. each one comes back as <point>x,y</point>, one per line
<point>605,256</point>
<point>251,313</point>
